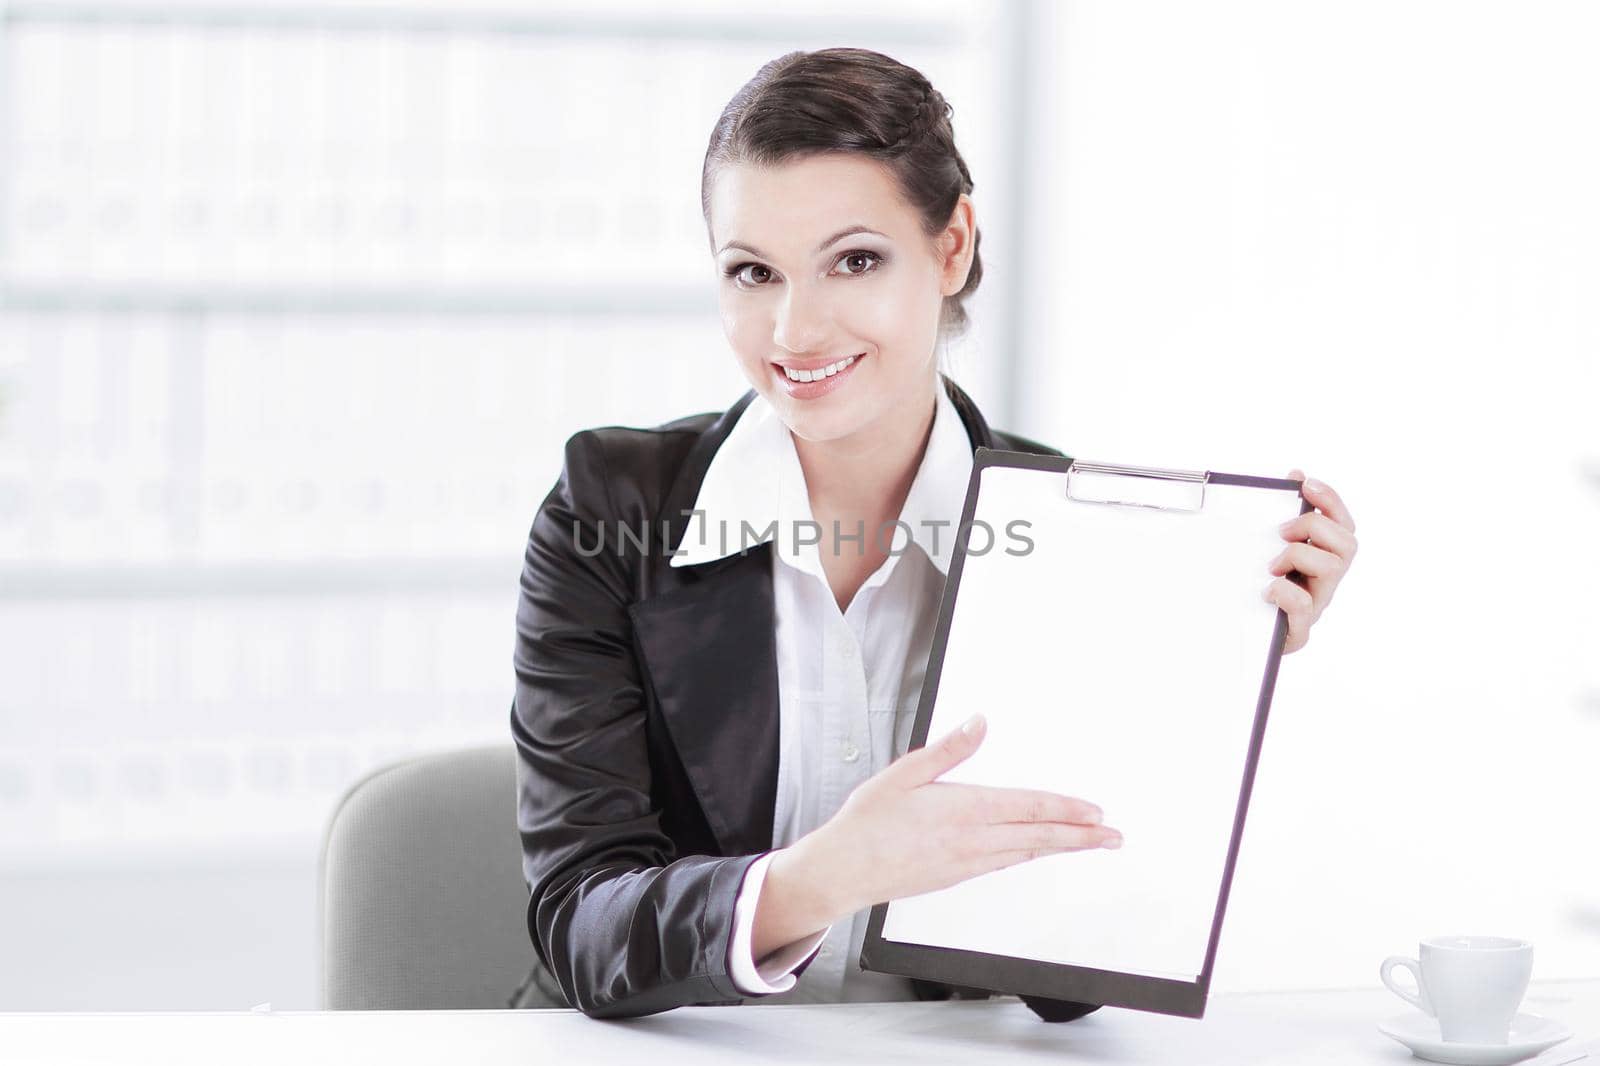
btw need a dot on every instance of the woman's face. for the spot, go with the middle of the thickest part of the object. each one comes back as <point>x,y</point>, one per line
<point>802,285</point>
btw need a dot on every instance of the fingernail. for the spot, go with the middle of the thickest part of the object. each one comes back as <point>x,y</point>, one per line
<point>1113,840</point>
<point>1314,485</point>
<point>1096,816</point>
<point>1284,528</point>
<point>971,726</point>
<point>1266,593</point>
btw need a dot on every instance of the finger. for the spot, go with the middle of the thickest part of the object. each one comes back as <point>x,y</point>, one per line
<point>1023,836</point>
<point>999,860</point>
<point>1326,500</point>
<point>1322,531</point>
<point>1289,597</point>
<point>1309,560</point>
<point>921,765</point>
<point>1037,805</point>
<point>1297,605</point>
<point>1313,570</point>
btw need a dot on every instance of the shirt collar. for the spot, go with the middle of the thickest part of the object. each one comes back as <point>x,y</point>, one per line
<point>754,491</point>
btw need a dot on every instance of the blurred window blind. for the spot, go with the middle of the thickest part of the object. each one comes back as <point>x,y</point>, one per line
<point>297,307</point>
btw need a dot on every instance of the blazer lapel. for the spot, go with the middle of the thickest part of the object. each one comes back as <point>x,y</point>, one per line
<point>711,651</point>
<point>708,638</point>
<point>708,642</point>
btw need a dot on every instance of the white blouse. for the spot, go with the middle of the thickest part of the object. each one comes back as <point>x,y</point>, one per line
<point>848,683</point>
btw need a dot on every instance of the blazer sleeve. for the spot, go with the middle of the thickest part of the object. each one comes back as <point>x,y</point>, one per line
<point>1059,1010</point>
<point>626,926</point>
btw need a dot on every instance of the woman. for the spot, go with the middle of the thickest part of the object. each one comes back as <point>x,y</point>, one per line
<point>721,631</point>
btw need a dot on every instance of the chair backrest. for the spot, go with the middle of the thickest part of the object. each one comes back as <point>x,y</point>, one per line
<point>421,901</point>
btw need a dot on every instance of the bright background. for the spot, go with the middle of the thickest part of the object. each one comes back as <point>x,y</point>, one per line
<point>298,303</point>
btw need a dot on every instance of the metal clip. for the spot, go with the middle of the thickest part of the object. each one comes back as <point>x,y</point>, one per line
<point>1159,488</point>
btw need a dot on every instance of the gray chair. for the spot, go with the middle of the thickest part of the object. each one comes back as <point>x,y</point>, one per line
<point>421,897</point>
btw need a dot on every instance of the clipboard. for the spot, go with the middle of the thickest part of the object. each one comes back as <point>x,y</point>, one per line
<point>1108,621</point>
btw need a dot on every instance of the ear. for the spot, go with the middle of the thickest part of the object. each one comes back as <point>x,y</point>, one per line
<point>956,246</point>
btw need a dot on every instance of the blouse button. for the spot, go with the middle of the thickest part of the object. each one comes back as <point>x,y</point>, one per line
<point>851,752</point>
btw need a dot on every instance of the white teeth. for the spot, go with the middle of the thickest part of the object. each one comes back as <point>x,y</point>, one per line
<point>818,375</point>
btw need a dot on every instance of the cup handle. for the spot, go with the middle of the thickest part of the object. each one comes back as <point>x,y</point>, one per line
<point>1420,1000</point>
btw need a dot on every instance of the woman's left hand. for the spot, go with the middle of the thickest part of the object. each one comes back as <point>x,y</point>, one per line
<point>1321,563</point>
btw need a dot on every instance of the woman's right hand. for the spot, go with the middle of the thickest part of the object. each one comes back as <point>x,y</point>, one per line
<point>901,832</point>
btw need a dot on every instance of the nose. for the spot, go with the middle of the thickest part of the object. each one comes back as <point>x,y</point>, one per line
<point>801,323</point>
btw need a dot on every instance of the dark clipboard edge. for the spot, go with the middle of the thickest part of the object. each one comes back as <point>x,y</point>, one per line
<point>1026,977</point>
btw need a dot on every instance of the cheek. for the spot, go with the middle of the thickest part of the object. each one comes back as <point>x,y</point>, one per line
<point>897,314</point>
<point>863,309</point>
<point>741,327</point>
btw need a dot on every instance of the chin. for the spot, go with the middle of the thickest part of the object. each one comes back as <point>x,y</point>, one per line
<point>815,425</point>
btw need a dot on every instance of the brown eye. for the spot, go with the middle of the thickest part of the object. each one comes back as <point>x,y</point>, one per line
<point>858,256</point>
<point>737,272</point>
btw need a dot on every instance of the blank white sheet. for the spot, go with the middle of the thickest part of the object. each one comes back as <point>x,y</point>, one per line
<point>1120,660</point>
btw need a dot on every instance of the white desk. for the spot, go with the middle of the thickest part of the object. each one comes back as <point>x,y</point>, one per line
<point>1279,1027</point>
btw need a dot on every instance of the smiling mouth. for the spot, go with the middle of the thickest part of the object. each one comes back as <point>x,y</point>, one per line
<point>803,377</point>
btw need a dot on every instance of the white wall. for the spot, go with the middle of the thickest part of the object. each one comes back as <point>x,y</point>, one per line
<point>1361,239</point>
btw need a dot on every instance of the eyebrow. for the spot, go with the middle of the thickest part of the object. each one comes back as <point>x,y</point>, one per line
<point>841,235</point>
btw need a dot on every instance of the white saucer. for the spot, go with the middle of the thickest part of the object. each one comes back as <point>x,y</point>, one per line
<point>1530,1034</point>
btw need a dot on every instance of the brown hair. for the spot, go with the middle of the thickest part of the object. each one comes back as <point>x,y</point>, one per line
<point>851,100</point>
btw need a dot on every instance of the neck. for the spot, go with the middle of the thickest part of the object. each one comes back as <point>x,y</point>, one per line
<point>868,474</point>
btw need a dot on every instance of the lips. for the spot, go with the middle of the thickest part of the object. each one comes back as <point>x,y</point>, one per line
<point>814,367</point>
<point>808,390</point>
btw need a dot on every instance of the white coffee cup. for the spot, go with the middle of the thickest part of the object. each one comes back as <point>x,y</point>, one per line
<point>1472,984</point>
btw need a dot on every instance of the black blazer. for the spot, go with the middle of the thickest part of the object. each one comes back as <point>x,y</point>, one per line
<point>646,723</point>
